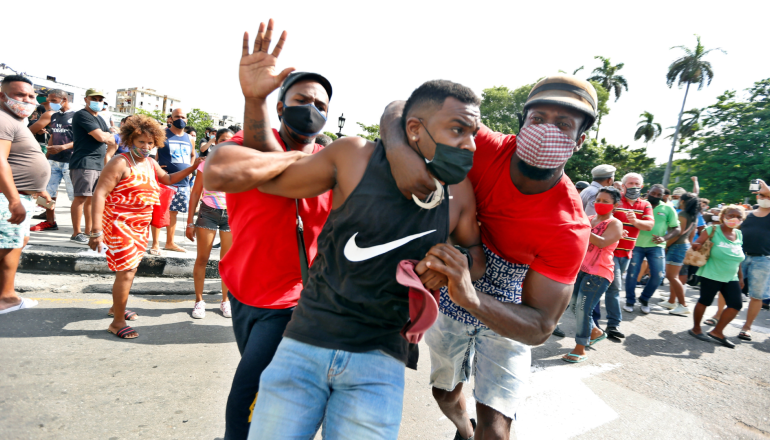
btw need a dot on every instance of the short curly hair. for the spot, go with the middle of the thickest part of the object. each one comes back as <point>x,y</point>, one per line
<point>741,210</point>
<point>138,125</point>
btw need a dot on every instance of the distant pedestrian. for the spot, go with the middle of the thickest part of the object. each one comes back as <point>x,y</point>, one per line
<point>603,175</point>
<point>93,147</point>
<point>721,273</point>
<point>677,248</point>
<point>122,211</point>
<point>177,156</point>
<point>581,185</point>
<point>24,174</point>
<point>211,218</point>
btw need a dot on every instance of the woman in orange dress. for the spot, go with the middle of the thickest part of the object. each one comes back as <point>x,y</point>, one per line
<point>122,210</point>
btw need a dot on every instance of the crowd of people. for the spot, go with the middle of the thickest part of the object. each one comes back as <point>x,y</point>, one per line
<point>337,259</point>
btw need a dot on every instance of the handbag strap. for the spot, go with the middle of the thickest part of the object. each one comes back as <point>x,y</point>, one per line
<point>303,263</point>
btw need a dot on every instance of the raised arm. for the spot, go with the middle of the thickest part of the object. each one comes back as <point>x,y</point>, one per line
<point>407,167</point>
<point>232,168</point>
<point>312,175</point>
<point>258,77</point>
<point>170,179</point>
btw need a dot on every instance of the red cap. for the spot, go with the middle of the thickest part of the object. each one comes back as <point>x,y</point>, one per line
<point>423,303</point>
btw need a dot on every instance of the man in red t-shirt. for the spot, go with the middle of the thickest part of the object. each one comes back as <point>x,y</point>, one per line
<point>636,215</point>
<point>262,270</point>
<point>535,235</point>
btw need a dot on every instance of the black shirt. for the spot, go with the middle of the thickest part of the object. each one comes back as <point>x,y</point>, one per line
<point>61,133</point>
<point>756,235</point>
<point>357,305</point>
<point>87,152</point>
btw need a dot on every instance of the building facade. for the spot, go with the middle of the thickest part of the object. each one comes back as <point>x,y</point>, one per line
<point>131,99</point>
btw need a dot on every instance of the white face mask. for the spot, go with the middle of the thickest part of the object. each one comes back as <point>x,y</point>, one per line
<point>763,203</point>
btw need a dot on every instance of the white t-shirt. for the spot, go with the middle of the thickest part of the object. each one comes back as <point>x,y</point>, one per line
<point>107,116</point>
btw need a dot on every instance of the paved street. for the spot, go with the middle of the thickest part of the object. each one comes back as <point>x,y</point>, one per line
<point>62,376</point>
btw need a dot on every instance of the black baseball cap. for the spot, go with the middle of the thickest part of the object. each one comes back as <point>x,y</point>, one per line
<point>295,77</point>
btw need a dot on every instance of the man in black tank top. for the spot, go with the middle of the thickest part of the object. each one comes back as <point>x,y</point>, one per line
<point>342,359</point>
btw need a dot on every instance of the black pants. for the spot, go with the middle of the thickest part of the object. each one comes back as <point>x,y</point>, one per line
<point>257,332</point>
<point>731,291</point>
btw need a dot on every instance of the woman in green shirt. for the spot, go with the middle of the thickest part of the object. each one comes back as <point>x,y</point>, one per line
<point>721,273</point>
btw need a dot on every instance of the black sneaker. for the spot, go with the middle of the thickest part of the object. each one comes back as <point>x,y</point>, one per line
<point>80,238</point>
<point>558,332</point>
<point>614,332</point>
<point>40,216</point>
<point>457,434</point>
<point>216,246</point>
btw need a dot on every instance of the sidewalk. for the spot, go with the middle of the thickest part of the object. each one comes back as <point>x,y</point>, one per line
<point>53,252</point>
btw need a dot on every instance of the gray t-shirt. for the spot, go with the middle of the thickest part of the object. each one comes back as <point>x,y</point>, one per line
<point>29,166</point>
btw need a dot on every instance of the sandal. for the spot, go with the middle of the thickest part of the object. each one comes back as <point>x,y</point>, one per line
<point>125,332</point>
<point>155,252</point>
<point>129,315</point>
<point>746,336</point>
<point>700,336</point>
<point>577,358</point>
<point>711,321</point>
<point>176,249</point>
<point>599,339</point>
<point>722,341</point>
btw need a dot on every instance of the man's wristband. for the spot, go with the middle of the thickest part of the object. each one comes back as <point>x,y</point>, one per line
<point>467,253</point>
<point>95,235</point>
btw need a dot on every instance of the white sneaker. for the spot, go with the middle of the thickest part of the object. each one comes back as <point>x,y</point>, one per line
<point>224,306</point>
<point>645,309</point>
<point>629,309</point>
<point>199,311</point>
<point>680,310</point>
<point>667,305</point>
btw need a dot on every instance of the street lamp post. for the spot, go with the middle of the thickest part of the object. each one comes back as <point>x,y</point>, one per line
<point>340,124</point>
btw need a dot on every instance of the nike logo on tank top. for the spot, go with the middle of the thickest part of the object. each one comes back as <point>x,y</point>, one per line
<point>352,300</point>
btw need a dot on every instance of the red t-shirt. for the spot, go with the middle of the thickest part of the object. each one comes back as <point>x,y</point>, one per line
<point>548,231</point>
<point>643,211</point>
<point>262,267</point>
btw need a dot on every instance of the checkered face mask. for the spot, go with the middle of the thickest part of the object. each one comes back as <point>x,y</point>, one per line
<point>544,146</point>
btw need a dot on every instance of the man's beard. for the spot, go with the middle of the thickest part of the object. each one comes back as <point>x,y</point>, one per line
<point>535,173</point>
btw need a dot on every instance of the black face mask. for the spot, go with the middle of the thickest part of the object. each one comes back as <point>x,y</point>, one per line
<point>633,193</point>
<point>450,165</point>
<point>653,200</point>
<point>305,120</point>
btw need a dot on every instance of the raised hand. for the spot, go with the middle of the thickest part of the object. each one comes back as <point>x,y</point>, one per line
<point>257,71</point>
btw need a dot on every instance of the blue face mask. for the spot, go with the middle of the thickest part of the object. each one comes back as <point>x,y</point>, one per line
<point>55,107</point>
<point>95,106</point>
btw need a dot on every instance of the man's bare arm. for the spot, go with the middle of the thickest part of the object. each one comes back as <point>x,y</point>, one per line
<point>257,133</point>
<point>407,167</point>
<point>102,136</point>
<point>41,123</point>
<point>232,168</point>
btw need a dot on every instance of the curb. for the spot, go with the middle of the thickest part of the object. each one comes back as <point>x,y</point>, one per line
<point>62,260</point>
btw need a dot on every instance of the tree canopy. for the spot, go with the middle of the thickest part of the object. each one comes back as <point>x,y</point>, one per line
<point>607,75</point>
<point>649,130</point>
<point>500,106</point>
<point>371,132</point>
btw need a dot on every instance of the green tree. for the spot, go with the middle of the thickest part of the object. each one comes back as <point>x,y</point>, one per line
<point>331,135</point>
<point>155,114</point>
<point>689,69</point>
<point>733,146</point>
<point>500,107</point>
<point>593,153</point>
<point>690,125</point>
<point>649,129</point>
<point>653,175</point>
<point>607,76</point>
<point>199,120</point>
<point>602,109</point>
<point>372,131</point>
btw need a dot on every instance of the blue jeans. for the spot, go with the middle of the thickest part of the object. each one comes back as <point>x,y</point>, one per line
<point>586,294</point>
<point>357,396</point>
<point>756,270</point>
<point>655,259</point>
<point>612,298</point>
<point>258,332</point>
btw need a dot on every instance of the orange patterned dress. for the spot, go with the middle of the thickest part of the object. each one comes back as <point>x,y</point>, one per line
<point>127,215</point>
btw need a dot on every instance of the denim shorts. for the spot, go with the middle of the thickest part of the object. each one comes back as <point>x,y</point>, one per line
<point>12,236</point>
<point>501,365</point>
<point>675,254</point>
<point>756,269</point>
<point>212,218</point>
<point>59,171</point>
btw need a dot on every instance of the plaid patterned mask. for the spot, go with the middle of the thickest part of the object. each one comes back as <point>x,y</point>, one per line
<point>544,146</point>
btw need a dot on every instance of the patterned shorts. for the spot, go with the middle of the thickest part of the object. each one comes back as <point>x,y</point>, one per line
<point>181,199</point>
<point>12,236</point>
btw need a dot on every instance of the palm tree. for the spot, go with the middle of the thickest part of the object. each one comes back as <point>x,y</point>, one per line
<point>607,76</point>
<point>690,125</point>
<point>689,69</point>
<point>649,130</point>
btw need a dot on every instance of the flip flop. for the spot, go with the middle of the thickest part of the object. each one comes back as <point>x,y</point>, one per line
<point>722,341</point>
<point>746,336</point>
<point>155,252</point>
<point>599,339</point>
<point>25,303</point>
<point>711,321</point>
<point>124,332</point>
<point>578,358</point>
<point>129,315</point>
<point>176,249</point>
<point>700,336</point>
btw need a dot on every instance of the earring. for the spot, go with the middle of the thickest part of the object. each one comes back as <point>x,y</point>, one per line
<point>414,138</point>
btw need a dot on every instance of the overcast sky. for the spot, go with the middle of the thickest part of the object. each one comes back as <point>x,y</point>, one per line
<point>376,52</point>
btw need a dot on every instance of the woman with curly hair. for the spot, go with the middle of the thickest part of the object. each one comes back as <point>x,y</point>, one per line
<point>721,273</point>
<point>122,210</point>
